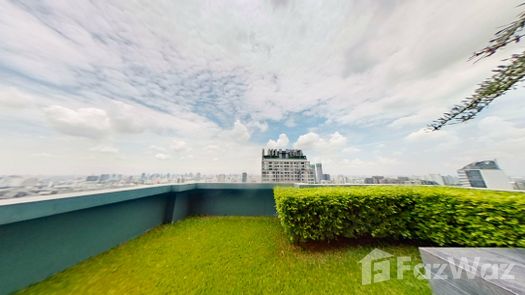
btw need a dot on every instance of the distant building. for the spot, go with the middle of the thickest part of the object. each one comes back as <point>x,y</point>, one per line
<point>437,178</point>
<point>286,166</point>
<point>374,180</point>
<point>104,177</point>
<point>92,178</point>
<point>326,177</point>
<point>484,174</point>
<point>519,184</point>
<point>244,177</point>
<point>318,172</point>
<point>403,179</point>
<point>450,180</point>
<point>341,179</point>
<point>221,178</point>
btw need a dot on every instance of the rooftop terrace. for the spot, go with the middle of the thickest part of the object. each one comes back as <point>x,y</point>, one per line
<point>151,240</point>
<point>217,255</point>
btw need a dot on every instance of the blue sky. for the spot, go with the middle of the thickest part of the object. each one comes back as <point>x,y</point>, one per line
<point>200,86</point>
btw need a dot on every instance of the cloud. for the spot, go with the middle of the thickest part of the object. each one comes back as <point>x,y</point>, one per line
<point>105,149</point>
<point>83,122</point>
<point>331,149</point>
<point>336,139</point>
<point>240,67</point>
<point>14,99</point>
<point>425,135</point>
<point>231,76</point>
<point>312,140</point>
<point>377,165</point>
<point>240,131</point>
<point>157,148</point>
<point>161,156</point>
<point>419,119</point>
<point>44,155</point>
<point>117,118</point>
<point>306,141</point>
<point>351,150</point>
<point>178,145</point>
<point>126,118</point>
<point>280,143</point>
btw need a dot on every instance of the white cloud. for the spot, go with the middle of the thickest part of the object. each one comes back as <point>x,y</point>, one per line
<point>280,143</point>
<point>426,135</point>
<point>312,140</point>
<point>109,149</point>
<point>13,98</point>
<point>212,147</point>
<point>178,145</point>
<point>377,165</point>
<point>84,122</point>
<point>240,131</point>
<point>336,139</point>
<point>161,156</point>
<point>119,118</point>
<point>351,150</point>
<point>126,118</point>
<point>157,148</point>
<point>418,119</point>
<point>332,149</point>
<point>242,67</point>
<point>44,155</point>
<point>308,140</point>
<point>184,70</point>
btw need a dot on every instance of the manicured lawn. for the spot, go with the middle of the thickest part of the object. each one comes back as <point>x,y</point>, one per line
<point>208,255</point>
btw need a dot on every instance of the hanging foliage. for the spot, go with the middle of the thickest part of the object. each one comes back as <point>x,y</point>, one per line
<point>504,79</point>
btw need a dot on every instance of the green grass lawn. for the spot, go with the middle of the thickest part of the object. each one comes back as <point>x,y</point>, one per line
<point>208,255</point>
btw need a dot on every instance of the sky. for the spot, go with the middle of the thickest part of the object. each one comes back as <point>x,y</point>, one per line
<point>202,86</point>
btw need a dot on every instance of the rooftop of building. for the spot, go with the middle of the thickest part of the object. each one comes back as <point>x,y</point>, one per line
<point>485,165</point>
<point>283,154</point>
<point>154,240</point>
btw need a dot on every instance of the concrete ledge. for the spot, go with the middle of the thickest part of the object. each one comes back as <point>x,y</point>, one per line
<point>26,208</point>
<point>241,186</point>
<point>20,209</point>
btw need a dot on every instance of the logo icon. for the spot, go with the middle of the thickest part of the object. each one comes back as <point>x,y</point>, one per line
<point>375,267</point>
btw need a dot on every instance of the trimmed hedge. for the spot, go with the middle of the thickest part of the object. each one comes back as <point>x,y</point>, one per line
<point>442,216</point>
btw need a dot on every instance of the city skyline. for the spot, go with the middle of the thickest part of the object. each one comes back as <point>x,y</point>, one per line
<point>123,90</point>
<point>278,166</point>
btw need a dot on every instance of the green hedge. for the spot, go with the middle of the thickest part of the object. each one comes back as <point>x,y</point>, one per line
<point>442,216</point>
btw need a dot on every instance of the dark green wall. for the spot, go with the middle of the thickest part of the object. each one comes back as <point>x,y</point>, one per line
<point>41,237</point>
<point>32,250</point>
<point>248,202</point>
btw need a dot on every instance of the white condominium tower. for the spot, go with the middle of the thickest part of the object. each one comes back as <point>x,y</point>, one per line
<point>286,166</point>
<point>485,174</point>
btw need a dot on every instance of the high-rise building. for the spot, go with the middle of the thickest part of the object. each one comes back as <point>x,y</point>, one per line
<point>318,172</point>
<point>221,178</point>
<point>375,180</point>
<point>92,178</point>
<point>450,180</point>
<point>437,178</point>
<point>244,177</point>
<point>326,177</point>
<point>519,183</point>
<point>286,166</point>
<point>485,174</point>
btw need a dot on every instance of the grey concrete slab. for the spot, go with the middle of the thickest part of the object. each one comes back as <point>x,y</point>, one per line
<point>475,270</point>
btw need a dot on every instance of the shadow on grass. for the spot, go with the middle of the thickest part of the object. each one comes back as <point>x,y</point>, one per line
<point>346,243</point>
